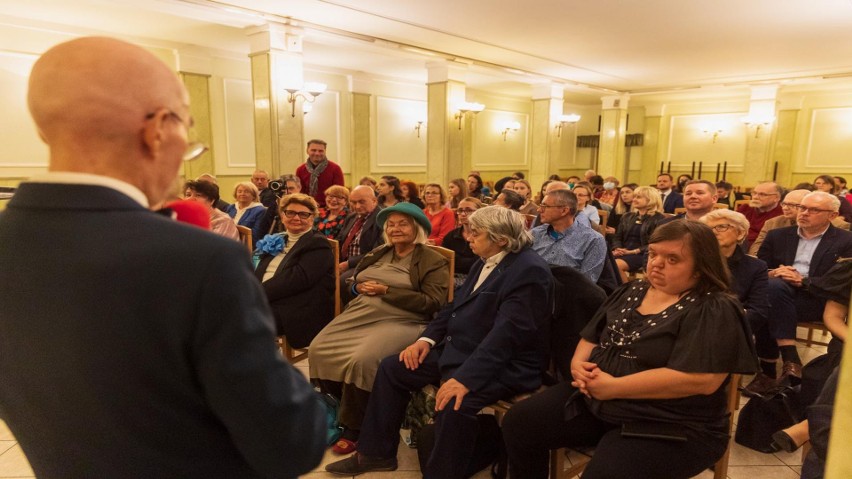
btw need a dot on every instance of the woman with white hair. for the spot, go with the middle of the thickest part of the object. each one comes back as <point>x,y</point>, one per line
<point>749,281</point>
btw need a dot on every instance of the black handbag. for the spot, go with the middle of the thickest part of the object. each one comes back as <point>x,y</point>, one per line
<point>763,416</point>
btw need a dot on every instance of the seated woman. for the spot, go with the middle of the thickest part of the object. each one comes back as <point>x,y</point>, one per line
<point>410,192</point>
<point>398,287</point>
<point>442,218</point>
<point>458,240</point>
<point>297,271</point>
<point>329,220</point>
<point>630,242</point>
<point>623,205</point>
<point>457,191</point>
<point>389,191</point>
<point>649,373</point>
<point>587,213</point>
<point>207,194</point>
<point>523,188</point>
<point>248,211</point>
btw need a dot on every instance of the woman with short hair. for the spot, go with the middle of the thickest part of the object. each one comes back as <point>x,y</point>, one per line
<point>329,220</point>
<point>458,240</point>
<point>248,211</point>
<point>207,194</point>
<point>442,218</point>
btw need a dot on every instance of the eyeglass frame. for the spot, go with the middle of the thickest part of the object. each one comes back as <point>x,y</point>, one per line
<point>806,209</point>
<point>465,211</point>
<point>722,228</point>
<point>301,214</point>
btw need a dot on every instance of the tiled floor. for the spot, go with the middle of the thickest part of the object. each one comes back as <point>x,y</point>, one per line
<point>744,463</point>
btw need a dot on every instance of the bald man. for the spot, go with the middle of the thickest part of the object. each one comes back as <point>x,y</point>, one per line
<point>133,345</point>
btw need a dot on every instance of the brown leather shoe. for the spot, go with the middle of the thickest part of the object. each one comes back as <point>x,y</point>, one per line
<point>760,386</point>
<point>791,374</point>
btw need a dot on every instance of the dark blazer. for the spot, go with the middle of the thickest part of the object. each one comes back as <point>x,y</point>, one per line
<point>252,218</point>
<point>649,224</point>
<point>301,293</point>
<point>133,345</point>
<point>750,283</point>
<point>371,235</point>
<point>673,200</point>
<point>494,333</point>
<point>780,245</point>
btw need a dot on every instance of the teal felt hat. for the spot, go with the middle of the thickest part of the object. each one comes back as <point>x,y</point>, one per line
<point>407,209</point>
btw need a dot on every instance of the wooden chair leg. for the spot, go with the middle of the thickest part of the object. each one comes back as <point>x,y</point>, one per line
<point>290,354</point>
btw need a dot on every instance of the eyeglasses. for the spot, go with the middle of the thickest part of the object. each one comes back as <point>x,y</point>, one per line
<point>465,211</point>
<point>301,214</point>
<point>805,209</point>
<point>193,149</point>
<point>581,195</point>
<point>722,228</point>
<point>425,193</point>
<point>543,206</point>
<point>790,205</point>
<point>762,195</point>
<point>338,198</point>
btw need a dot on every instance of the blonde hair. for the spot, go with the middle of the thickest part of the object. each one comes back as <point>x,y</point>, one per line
<point>249,186</point>
<point>655,201</point>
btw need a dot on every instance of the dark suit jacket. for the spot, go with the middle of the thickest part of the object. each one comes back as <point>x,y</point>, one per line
<point>673,200</point>
<point>371,235</point>
<point>301,293</point>
<point>780,245</point>
<point>494,333</point>
<point>750,283</point>
<point>133,345</point>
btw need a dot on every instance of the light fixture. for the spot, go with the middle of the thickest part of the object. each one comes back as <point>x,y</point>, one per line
<point>309,92</point>
<point>714,132</point>
<point>418,126</point>
<point>760,122</point>
<point>573,118</point>
<point>510,126</point>
<point>466,107</point>
<point>307,108</point>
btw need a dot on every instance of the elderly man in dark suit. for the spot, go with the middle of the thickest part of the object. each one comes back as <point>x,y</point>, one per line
<point>133,345</point>
<point>485,346</point>
<point>359,234</point>
<point>796,255</point>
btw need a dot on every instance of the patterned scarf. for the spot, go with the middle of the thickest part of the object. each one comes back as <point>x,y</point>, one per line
<point>315,172</point>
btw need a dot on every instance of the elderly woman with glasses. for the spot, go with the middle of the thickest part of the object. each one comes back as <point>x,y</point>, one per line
<point>442,218</point>
<point>397,288</point>
<point>297,271</point>
<point>457,239</point>
<point>329,220</point>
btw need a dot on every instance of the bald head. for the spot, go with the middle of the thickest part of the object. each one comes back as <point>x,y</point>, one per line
<point>107,107</point>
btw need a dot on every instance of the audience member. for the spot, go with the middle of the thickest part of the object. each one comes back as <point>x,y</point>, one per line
<point>389,191</point>
<point>765,204</point>
<point>630,243</point>
<point>597,183</point>
<point>458,240</point>
<point>329,220</point>
<point>206,194</point>
<point>523,188</point>
<point>671,198</point>
<point>128,363</point>
<point>457,190</point>
<point>271,222</point>
<point>317,173</point>
<point>220,205</point>
<point>501,184</point>
<point>840,186</point>
<point>411,193</point>
<point>699,196</point>
<point>268,198</point>
<point>726,195</point>
<point>571,181</point>
<point>826,183</point>
<point>440,217</point>
<point>622,206</point>
<point>609,191</point>
<point>369,181</point>
<point>561,241</point>
<point>587,213</point>
<point>543,190</point>
<point>474,186</point>
<point>653,363</point>
<point>509,199</point>
<point>519,175</point>
<point>587,176</point>
<point>483,347</point>
<point>682,180</point>
<point>796,255</point>
<point>360,234</point>
<point>247,210</point>
<point>297,271</point>
<point>397,288</point>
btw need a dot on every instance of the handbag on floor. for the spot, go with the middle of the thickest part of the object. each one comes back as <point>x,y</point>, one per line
<point>763,416</point>
<point>331,406</point>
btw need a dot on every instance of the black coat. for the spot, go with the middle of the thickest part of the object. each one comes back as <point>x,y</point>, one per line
<point>371,235</point>
<point>649,224</point>
<point>750,283</point>
<point>780,245</point>
<point>301,293</point>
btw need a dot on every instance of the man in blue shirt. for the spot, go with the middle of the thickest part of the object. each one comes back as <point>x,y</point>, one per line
<point>561,241</point>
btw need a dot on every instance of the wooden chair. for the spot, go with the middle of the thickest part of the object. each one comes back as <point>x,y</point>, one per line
<point>295,355</point>
<point>604,214</point>
<point>720,206</point>
<point>679,211</point>
<point>739,203</point>
<point>245,238</point>
<point>811,327</point>
<point>451,257</point>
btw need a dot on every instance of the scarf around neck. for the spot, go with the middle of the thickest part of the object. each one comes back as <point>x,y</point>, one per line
<point>315,172</point>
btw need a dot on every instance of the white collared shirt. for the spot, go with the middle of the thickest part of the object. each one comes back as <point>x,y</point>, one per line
<point>71,178</point>
<point>805,251</point>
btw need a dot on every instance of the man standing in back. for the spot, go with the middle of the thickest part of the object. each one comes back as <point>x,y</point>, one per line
<point>318,173</point>
<point>133,345</point>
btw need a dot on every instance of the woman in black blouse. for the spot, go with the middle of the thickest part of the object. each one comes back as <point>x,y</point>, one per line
<point>456,239</point>
<point>630,241</point>
<point>649,373</point>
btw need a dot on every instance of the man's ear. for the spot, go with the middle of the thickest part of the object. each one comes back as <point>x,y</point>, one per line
<point>152,134</point>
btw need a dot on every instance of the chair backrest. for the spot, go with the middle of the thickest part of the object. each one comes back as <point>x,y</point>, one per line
<point>720,206</point>
<point>739,203</point>
<point>451,257</point>
<point>336,251</point>
<point>604,214</point>
<point>679,211</point>
<point>245,238</point>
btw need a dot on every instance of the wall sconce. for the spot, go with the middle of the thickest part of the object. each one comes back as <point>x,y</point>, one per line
<point>714,132</point>
<point>510,126</point>
<point>573,118</point>
<point>466,107</point>
<point>418,126</point>
<point>307,108</point>
<point>759,122</point>
<point>308,92</point>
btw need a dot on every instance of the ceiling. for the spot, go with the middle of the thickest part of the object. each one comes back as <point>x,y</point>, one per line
<point>593,48</point>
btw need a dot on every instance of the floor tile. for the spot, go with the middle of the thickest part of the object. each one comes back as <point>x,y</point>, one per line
<point>797,469</point>
<point>761,472</point>
<point>790,458</point>
<point>14,464</point>
<point>743,456</point>
<point>708,474</point>
<point>5,446</point>
<point>5,433</point>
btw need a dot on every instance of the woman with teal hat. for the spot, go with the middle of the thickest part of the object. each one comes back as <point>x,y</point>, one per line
<point>396,289</point>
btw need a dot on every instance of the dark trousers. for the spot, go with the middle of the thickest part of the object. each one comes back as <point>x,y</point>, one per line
<point>790,305</point>
<point>535,425</point>
<point>455,431</point>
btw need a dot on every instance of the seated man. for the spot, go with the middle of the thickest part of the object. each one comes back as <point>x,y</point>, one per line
<point>795,256</point>
<point>563,242</point>
<point>509,199</point>
<point>789,211</point>
<point>765,204</point>
<point>671,198</point>
<point>360,233</point>
<point>699,196</point>
<point>483,347</point>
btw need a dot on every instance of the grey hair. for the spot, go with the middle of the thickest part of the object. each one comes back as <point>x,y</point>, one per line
<point>778,188</point>
<point>833,201</point>
<point>565,198</point>
<point>502,224</point>
<point>737,219</point>
<point>420,235</point>
<point>655,201</point>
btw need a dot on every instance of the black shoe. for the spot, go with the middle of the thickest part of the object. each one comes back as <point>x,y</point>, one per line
<point>760,386</point>
<point>781,441</point>
<point>358,464</point>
